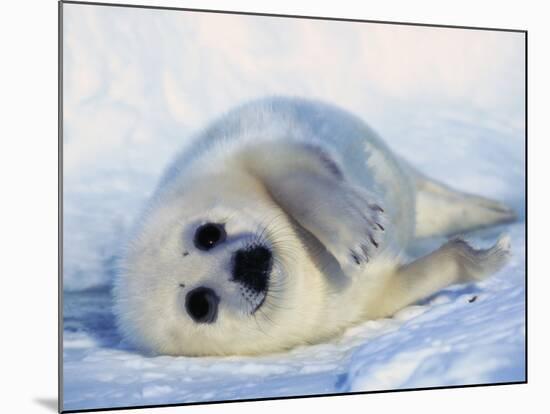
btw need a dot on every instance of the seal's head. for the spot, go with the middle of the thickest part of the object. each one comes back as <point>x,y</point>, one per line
<point>240,253</point>
<point>212,269</point>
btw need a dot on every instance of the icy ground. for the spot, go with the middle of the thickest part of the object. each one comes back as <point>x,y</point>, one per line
<point>464,335</point>
<point>137,83</point>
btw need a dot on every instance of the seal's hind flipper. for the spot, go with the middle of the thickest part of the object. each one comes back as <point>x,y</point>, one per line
<point>454,262</point>
<point>442,211</point>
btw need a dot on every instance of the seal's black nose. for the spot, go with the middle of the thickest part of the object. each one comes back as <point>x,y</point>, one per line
<point>252,266</point>
<point>202,305</point>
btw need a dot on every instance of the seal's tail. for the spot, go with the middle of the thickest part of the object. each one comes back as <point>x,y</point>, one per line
<point>442,211</point>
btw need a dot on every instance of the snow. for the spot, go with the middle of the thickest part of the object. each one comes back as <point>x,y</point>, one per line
<point>138,83</point>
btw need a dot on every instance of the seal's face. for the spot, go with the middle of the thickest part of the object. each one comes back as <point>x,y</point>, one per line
<point>250,268</point>
<point>208,272</point>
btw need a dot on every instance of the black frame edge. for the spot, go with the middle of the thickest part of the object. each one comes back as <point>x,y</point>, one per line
<point>294,16</point>
<point>137,407</point>
<point>60,205</point>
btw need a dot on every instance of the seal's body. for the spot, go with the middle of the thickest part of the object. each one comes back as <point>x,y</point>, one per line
<point>283,223</point>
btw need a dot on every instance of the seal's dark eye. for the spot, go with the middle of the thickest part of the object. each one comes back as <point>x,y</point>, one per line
<point>209,235</point>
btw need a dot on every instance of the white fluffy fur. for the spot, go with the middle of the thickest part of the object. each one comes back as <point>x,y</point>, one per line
<point>324,193</point>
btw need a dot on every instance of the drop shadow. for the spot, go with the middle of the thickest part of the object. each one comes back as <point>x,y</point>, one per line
<point>49,403</point>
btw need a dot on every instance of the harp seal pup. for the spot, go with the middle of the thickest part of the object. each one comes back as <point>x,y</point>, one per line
<point>283,223</point>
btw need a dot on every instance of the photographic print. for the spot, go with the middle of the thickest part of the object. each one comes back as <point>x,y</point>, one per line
<point>262,206</point>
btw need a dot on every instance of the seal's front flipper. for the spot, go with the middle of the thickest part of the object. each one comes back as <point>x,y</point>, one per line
<point>442,211</point>
<point>454,262</point>
<point>309,186</point>
<point>342,218</point>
